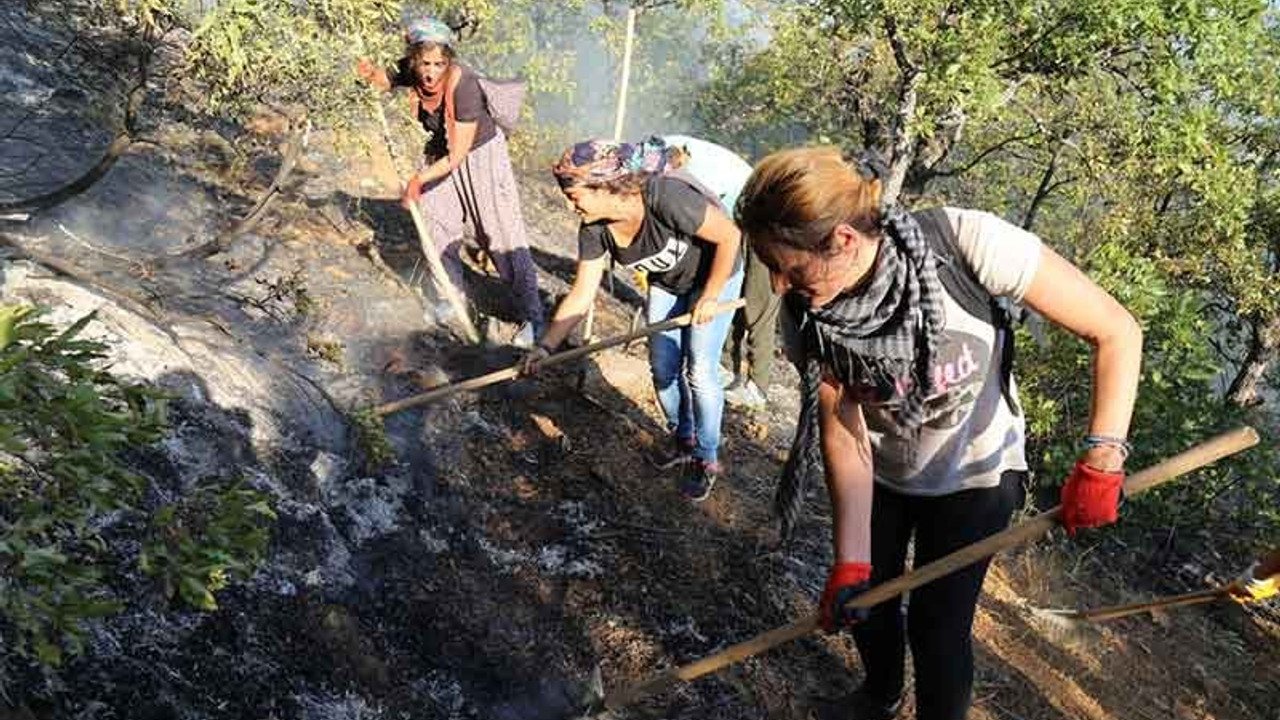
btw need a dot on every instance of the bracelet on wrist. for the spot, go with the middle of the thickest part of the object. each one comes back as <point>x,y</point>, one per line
<point>1093,441</point>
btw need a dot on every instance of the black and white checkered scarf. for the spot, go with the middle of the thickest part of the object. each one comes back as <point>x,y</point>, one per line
<point>885,334</point>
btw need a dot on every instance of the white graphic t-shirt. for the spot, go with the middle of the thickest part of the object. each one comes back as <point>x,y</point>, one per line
<point>970,435</point>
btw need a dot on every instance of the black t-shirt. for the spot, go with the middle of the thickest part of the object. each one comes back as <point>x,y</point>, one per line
<point>666,245</point>
<point>469,105</point>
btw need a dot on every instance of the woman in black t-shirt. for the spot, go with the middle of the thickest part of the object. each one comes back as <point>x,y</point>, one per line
<point>668,225</point>
<point>466,177</point>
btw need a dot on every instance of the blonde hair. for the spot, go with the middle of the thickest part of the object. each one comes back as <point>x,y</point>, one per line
<point>797,197</point>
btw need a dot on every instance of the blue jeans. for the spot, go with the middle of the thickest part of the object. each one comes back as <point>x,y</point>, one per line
<point>686,366</point>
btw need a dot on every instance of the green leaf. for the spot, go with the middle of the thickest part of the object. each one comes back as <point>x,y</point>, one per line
<point>10,316</point>
<point>47,652</point>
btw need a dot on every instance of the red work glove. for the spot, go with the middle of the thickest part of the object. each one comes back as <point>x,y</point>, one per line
<point>412,192</point>
<point>846,581</point>
<point>1090,497</point>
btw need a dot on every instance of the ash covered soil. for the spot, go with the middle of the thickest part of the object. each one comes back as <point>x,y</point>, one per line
<point>520,540</point>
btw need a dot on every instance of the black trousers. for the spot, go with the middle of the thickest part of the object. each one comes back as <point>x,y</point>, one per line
<point>939,623</point>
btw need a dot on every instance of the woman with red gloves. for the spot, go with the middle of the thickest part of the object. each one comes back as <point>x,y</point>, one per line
<point>466,177</point>
<point>908,404</point>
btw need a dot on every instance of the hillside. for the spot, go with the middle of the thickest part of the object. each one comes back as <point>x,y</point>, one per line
<point>518,540</point>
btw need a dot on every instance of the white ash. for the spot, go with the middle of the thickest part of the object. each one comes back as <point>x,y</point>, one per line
<point>686,627</point>
<point>445,693</point>
<point>506,560</point>
<point>328,706</point>
<point>433,544</point>
<point>372,508</point>
<point>576,519</point>
<point>555,560</point>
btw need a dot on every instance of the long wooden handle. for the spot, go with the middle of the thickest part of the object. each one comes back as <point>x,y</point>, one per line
<point>441,278</point>
<point>1203,454</point>
<point>1118,611</point>
<point>434,265</point>
<point>513,372</point>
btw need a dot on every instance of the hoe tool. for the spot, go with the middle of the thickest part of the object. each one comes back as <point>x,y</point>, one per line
<point>513,372</point>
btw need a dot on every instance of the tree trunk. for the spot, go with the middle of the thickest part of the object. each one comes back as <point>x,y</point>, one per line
<point>1264,349</point>
<point>903,146</point>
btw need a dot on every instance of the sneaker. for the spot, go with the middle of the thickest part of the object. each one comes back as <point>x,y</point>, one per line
<point>670,454</point>
<point>697,485</point>
<point>728,378</point>
<point>527,335</point>
<point>746,396</point>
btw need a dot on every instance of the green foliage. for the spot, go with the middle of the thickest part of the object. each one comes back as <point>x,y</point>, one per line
<point>1178,369</point>
<point>303,54</point>
<point>209,538</point>
<point>1178,406</point>
<point>286,53</point>
<point>151,15</point>
<point>1137,137</point>
<point>328,350</point>
<point>64,425</point>
<point>371,439</point>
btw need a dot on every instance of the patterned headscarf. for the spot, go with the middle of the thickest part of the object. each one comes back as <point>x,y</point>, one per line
<point>598,162</point>
<point>422,29</point>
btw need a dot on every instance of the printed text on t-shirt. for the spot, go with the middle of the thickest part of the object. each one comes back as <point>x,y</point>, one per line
<point>663,260</point>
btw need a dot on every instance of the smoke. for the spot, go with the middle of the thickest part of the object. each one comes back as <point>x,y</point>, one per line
<point>572,58</point>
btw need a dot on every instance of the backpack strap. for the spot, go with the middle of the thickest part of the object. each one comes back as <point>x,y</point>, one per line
<point>451,86</point>
<point>689,179</point>
<point>962,284</point>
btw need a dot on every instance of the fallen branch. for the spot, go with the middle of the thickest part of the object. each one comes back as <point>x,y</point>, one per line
<point>80,275</point>
<point>291,152</point>
<point>115,150</point>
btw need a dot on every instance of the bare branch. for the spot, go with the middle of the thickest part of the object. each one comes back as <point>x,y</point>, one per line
<point>291,152</point>
<point>977,159</point>
<point>1043,190</point>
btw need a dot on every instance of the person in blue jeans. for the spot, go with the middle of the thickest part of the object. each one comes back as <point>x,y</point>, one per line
<point>755,326</point>
<point>648,216</point>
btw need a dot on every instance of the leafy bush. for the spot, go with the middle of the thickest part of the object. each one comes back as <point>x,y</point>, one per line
<point>1179,405</point>
<point>207,540</point>
<point>65,423</point>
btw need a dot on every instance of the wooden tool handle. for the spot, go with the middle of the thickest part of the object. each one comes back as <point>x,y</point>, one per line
<point>1111,613</point>
<point>1203,454</point>
<point>732,654</point>
<point>513,372</point>
<point>451,294</point>
<point>441,277</point>
<point>1196,457</point>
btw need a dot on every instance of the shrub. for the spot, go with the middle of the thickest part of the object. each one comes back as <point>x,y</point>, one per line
<point>65,423</point>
